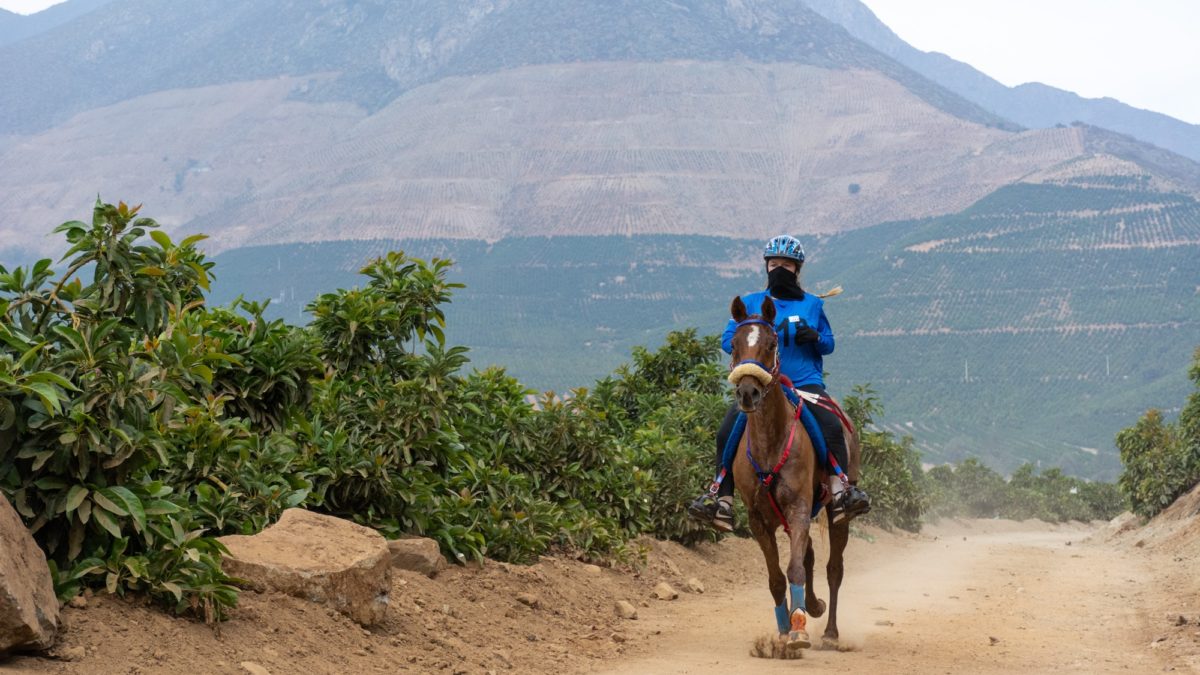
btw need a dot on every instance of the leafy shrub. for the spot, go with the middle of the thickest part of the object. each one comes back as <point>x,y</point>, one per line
<point>891,468</point>
<point>972,490</point>
<point>93,381</point>
<point>1161,460</point>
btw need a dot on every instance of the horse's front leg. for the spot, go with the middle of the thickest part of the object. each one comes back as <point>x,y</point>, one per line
<point>798,522</point>
<point>765,536</point>
<point>838,536</point>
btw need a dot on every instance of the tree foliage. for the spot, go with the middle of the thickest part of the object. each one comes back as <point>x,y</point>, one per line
<point>1161,460</point>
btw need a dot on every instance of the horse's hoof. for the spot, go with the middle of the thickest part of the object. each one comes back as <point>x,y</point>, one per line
<point>830,643</point>
<point>797,640</point>
<point>816,608</point>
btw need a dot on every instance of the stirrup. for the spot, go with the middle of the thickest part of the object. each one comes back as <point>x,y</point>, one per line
<point>703,508</point>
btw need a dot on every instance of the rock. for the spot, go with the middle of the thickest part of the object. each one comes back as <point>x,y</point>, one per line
<point>993,641</point>
<point>694,585</point>
<point>28,606</point>
<point>254,668</point>
<point>618,638</point>
<point>626,610</point>
<point>663,591</point>
<point>1181,620</point>
<point>320,558</point>
<point>75,653</point>
<point>592,569</point>
<point>78,602</point>
<point>529,600</point>
<point>417,554</point>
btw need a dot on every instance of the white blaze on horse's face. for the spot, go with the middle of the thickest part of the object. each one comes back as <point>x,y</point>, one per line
<point>753,339</point>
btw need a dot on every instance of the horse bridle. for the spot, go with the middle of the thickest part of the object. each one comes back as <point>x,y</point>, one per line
<point>772,371</point>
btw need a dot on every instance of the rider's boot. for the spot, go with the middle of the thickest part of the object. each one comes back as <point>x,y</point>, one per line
<point>848,504</point>
<point>713,511</point>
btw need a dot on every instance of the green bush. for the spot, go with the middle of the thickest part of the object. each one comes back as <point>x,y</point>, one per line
<point>1161,460</point>
<point>970,489</point>
<point>891,468</point>
<point>95,381</point>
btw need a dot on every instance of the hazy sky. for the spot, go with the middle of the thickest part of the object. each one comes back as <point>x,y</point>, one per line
<point>1143,52</point>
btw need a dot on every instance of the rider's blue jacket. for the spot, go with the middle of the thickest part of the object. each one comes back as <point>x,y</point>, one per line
<point>801,362</point>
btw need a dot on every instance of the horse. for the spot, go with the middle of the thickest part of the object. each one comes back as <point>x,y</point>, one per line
<point>776,474</point>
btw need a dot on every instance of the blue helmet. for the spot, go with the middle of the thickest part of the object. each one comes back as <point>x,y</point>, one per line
<point>784,246</point>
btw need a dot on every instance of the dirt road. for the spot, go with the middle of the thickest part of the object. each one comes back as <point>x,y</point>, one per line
<point>969,597</point>
<point>976,596</point>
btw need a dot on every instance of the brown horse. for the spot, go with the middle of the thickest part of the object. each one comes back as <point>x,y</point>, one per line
<point>773,430</point>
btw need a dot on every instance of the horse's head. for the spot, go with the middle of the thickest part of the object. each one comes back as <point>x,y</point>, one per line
<point>755,364</point>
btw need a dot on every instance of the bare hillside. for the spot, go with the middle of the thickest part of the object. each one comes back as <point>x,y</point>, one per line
<point>605,148</point>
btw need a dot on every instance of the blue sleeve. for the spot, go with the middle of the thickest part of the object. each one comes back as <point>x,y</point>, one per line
<point>825,336</point>
<point>727,336</point>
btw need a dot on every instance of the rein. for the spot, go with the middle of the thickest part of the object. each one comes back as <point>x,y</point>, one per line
<point>767,478</point>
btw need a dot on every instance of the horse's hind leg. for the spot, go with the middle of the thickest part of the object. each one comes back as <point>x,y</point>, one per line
<point>815,606</point>
<point>778,583</point>
<point>838,536</point>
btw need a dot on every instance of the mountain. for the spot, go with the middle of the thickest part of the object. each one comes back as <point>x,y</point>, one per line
<point>16,27</point>
<point>605,171</point>
<point>355,119</point>
<point>379,49</point>
<point>1033,104</point>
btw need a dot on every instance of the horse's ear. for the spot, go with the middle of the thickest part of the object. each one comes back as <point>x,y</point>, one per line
<point>738,309</point>
<point>768,310</point>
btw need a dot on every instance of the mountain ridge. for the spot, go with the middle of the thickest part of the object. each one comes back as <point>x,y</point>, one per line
<point>16,27</point>
<point>381,49</point>
<point>1031,104</point>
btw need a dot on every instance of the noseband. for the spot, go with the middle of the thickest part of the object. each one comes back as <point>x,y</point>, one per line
<point>755,369</point>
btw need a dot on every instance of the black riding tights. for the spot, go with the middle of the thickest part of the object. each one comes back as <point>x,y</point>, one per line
<point>831,428</point>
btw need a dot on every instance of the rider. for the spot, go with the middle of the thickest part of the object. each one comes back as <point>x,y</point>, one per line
<point>804,337</point>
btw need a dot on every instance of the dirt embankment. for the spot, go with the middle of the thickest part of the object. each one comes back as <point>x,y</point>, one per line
<point>981,596</point>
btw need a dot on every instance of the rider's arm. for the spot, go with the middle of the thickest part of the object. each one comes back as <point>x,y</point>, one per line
<point>727,336</point>
<point>825,336</point>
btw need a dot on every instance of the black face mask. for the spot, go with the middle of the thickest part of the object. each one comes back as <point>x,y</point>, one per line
<point>782,284</point>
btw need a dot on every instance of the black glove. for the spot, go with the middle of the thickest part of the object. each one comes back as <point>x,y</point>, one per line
<point>807,334</point>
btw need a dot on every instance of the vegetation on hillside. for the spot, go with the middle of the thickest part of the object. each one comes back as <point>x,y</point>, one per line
<point>1162,459</point>
<point>138,423</point>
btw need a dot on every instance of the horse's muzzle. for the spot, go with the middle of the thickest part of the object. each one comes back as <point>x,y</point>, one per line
<point>749,395</point>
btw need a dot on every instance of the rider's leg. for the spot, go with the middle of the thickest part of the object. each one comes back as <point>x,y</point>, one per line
<point>846,503</point>
<point>726,489</point>
<point>831,427</point>
<point>719,511</point>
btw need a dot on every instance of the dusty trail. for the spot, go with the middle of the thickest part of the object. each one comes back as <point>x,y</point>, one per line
<point>975,597</point>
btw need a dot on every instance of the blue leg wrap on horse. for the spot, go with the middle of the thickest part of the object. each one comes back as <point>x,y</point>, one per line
<point>731,445</point>
<point>783,619</point>
<point>797,597</point>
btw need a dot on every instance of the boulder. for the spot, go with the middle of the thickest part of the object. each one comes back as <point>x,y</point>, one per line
<point>663,591</point>
<point>28,606</point>
<point>320,558</point>
<point>417,554</point>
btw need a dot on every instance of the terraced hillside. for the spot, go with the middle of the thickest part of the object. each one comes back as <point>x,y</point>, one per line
<point>1032,325</point>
